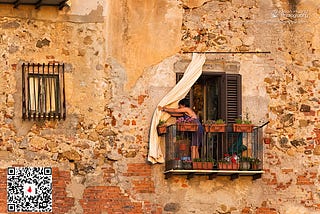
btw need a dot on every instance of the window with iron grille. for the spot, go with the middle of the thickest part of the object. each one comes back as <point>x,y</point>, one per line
<point>43,92</point>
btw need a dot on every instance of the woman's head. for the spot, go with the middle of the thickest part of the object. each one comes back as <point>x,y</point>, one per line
<point>183,103</point>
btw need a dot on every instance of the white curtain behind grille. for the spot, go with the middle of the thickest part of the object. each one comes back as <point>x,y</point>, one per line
<point>50,94</point>
<point>42,94</point>
<point>33,94</point>
<point>181,89</point>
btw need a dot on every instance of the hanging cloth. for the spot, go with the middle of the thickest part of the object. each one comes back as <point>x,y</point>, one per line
<point>180,90</point>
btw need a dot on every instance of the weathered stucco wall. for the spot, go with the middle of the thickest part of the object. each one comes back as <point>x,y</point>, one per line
<point>142,33</point>
<point>120,61</point>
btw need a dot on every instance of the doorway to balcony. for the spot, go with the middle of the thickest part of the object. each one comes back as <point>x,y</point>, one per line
<point>216,96</point>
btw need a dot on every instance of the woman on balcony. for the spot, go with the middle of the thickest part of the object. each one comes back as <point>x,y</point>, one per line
<point>184,111</point>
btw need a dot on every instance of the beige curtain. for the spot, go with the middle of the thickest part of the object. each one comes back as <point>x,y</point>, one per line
<point>33,93</point>
<point>50,94</point>
<point>180,90</point>
<point>47,93</point>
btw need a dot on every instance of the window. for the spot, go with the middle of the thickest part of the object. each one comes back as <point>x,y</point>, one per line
<point>43,92</point>
<point>216,96</point>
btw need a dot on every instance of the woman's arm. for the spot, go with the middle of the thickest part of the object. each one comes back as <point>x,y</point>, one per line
<point>175,112</point>
<point>180,111</point>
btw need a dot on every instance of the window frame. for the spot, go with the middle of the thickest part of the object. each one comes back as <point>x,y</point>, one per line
<point>38,81</point>
<point>230,94</point>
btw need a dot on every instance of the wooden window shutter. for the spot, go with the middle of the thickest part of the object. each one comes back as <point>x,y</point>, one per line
<point>231,97</point>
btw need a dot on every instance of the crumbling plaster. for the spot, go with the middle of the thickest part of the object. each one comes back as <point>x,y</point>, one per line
<point>142,33</point>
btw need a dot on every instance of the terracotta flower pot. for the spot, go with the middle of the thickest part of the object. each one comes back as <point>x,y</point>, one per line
<point>243,127</point>
<point>228,166</point>
<point>207,165</point>
<point>187,127</point>
<point>197,165</point>
<point>215,127</point>
<point>161,130</point>
<point>182,146</point>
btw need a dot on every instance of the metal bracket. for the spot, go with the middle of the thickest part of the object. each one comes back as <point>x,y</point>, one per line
<point>234,176</point>
<point>190,175</point>
<point>212,176</point>
<point>168,175</point>
<point>256,176</point>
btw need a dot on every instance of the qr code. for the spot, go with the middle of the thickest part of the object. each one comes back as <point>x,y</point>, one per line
<point>29,189</point>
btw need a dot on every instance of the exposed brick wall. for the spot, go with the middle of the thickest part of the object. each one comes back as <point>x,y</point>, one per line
<point>108,199</point>
<point>138,169</point>
<point>143,186</point>
<point>306,178</point>
<point>3,190</point>
<point>264,210</point>
<point>153,209</point>
<point>260,210</point>
<point>108,173</point>
<point>97,199</point>
<point>142,173</point>
<point>289,178</point>
<point>61,202</point>
<point>271,179</point>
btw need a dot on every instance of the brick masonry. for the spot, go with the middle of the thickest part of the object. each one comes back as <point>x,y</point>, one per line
<point>61,202</point>
<point>96,199</point>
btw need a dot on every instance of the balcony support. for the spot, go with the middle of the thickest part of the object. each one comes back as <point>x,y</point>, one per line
<point>190,175</point>
<point>256,176</point>
<point>234,174</point>
<point>213,175</point>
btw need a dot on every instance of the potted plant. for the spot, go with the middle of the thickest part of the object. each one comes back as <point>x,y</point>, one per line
<point>208,164</point>
<point>187,164</point>
<point>174,164</point>
<point>215,126</point>
<point>197,163</point>
<point>245,163</point>
<point>186,125</point>
<point>255,164</point>
<point>243,125</point>
<point>229,162</point>
<point>161,127</point>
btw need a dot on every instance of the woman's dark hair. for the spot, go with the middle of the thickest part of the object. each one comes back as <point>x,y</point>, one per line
<point>184,102</point>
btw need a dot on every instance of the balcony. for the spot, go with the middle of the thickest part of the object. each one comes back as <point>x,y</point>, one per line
<point>226,152</point>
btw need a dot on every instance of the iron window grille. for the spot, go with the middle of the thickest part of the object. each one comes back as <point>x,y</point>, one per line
<point>43,91</point>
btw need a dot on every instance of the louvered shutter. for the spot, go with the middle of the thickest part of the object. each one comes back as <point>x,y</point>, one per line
<point>231,97</point>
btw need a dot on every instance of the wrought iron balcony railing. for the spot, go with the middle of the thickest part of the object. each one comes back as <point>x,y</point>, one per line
<point>222,152</point>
